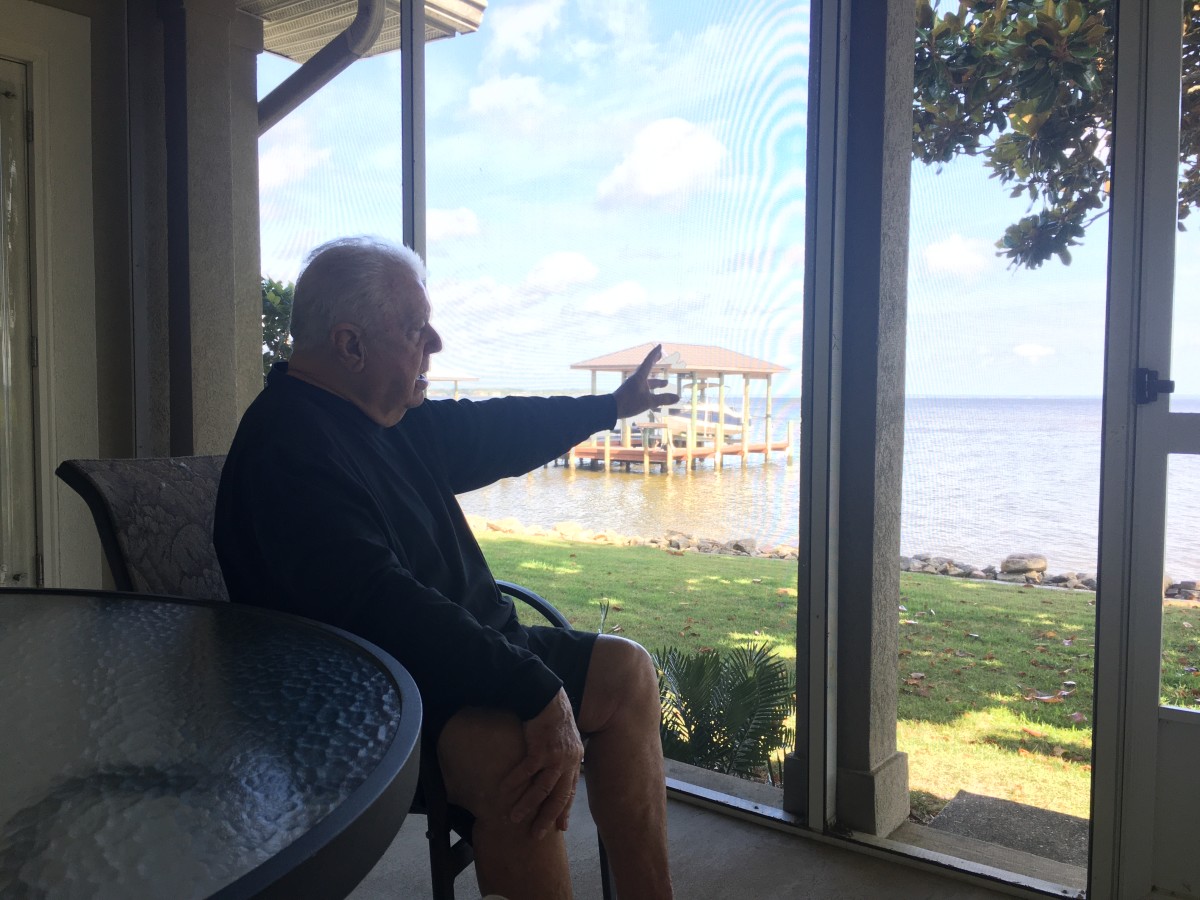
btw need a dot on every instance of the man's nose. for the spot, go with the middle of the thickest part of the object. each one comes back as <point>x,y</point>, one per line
<point>434,344</point>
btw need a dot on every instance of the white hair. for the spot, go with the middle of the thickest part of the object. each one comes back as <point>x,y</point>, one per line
<point>350,280</point>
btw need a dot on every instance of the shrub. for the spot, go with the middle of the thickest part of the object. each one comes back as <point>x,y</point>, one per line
<point>726,712</point>
<point>276,318</point>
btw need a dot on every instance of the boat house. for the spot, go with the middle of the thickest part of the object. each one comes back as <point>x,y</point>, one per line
<point>701,425</point>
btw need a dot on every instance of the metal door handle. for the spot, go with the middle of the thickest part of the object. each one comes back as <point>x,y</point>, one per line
<point>1147,386</point>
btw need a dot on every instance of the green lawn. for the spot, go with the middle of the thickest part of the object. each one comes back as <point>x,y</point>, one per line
<point>995,680</point>
<point>657,598</point>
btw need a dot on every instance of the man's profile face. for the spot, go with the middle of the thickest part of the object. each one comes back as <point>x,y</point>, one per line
<point>399,350</point>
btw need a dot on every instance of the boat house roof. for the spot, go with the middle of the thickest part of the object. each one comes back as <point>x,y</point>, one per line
<point>697,360</point>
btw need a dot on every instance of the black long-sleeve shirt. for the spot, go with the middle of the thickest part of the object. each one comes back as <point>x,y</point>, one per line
<point>323,513</point>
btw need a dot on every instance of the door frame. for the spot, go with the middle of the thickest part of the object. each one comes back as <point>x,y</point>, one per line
<point>55,45</point>
<point>1136,441</point>
<point>20,350</point>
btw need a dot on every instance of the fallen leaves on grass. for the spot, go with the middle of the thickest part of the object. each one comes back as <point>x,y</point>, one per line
<point>1054,697</point>
<point>917,680</point>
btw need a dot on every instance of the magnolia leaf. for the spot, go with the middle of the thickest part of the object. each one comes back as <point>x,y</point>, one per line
<point>1047,70</point>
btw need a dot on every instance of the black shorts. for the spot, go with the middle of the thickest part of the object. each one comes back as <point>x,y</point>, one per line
<point>566,653</point>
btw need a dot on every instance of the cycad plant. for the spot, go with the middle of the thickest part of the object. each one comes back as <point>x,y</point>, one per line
<point>725,712</point>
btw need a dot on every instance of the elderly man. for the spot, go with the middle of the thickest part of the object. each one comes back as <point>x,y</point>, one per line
<point>337,502</point>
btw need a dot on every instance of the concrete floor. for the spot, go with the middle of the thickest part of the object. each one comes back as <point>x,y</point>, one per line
<point>712,856</point>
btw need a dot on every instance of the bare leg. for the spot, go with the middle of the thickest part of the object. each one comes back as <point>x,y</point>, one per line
<point>477,748</point>
<point>624,766</point>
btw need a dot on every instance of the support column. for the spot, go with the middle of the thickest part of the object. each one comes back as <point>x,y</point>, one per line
<point>214,295</point>
<point>768,417</point>
<point>872,776</point>
<point>746,420</point>
<point>720,423</point>
<point>412,111</point>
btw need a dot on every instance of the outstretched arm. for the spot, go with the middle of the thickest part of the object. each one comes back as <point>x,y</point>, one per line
<point>636,393</point>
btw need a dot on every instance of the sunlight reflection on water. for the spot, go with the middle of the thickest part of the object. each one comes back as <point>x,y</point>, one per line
<point>759,501</point>
<point>982,478</point>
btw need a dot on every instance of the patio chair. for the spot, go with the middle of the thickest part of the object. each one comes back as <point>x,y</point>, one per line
<point>155,520</point>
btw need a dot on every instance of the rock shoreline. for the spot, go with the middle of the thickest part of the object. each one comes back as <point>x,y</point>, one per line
<point>1016,568</point>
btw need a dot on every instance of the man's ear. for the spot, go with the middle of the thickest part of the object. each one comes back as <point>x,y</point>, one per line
<point>346,341</point>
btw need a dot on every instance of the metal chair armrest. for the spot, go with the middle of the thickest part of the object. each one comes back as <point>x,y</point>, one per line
<point>537,601</point>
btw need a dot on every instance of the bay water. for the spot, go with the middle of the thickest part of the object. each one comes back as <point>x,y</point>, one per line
<point>983,478</point>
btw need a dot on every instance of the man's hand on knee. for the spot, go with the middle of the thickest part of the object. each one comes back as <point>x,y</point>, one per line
<point>543,782</point>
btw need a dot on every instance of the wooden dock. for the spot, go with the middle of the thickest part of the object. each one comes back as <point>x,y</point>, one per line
<point>664,453</point>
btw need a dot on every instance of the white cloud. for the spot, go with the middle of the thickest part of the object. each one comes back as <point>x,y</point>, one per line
<point>623,20</point>
<point>388,157</point>
<point>616,298</point>
<point>516,100</point>
<point>766,260</point>
<point>441,224</point>
<point>669,157</point>
<point>520,30</point>
<point>283,253</point>
<point>559,272</point>
<point>959,256</point>
<point>583,49</point>
<point>1035,353</point>
<point>287,154</point>
<point>460,305</point>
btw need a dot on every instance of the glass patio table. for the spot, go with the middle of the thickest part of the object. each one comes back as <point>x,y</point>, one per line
<point>158,747</point>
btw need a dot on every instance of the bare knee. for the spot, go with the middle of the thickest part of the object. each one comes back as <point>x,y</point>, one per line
<point>622,681</point>
<point>475,750</point>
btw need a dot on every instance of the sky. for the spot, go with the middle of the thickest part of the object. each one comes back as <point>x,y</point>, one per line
<point>604,173</point>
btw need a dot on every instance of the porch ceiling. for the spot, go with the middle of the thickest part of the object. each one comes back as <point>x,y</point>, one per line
<point>297,29</point>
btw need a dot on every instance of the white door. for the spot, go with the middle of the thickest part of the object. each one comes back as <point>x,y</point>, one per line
<point>19,551</point>
<point>1147,796</point>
